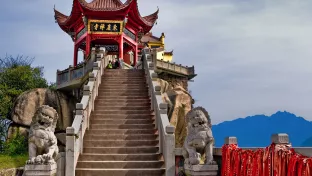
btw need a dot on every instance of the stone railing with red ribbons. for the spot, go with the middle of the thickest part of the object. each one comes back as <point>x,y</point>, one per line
<point>278,159</point>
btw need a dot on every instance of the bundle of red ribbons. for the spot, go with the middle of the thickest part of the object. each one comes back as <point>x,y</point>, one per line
<point>274,160</point>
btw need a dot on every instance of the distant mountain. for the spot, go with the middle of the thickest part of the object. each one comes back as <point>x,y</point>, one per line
<point>307,142</point>
<point>256,131</point>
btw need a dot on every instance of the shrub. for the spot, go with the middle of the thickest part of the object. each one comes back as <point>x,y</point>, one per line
<point>17,145</point>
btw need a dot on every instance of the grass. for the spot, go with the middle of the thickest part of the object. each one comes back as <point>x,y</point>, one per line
<point>7,162</point>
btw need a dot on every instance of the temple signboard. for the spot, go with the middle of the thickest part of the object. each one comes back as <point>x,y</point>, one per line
<point>105,27</point>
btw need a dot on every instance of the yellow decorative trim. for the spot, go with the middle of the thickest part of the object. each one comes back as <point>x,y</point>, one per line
<point>105,21</point>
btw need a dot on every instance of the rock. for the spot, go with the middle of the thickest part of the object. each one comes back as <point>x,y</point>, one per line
<point>14,129</point>
<point>180,103</point>
<point>12,172</point>
<point>61,137</point>
<point>28,102</point>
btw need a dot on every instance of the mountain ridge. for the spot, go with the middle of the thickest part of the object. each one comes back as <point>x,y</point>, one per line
<point>256,131</point>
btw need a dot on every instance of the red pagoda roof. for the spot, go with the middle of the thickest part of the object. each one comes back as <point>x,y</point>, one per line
<point>107,8</point>
<point>150,38</point>
<point>104,5</point>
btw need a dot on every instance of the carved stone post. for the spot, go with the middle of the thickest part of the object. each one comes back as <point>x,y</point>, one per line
<point>70,152</point>
<point>170,147</point>
<point>280,138</point>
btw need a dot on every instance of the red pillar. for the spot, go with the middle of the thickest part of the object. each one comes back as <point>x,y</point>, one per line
<point>135,54</point>
<point>75,55</point>
<point>121,47</point>
<point>88,45</point>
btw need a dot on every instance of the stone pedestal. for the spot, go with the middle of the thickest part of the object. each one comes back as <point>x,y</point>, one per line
<point>40,170</point>
<point>201,169</point>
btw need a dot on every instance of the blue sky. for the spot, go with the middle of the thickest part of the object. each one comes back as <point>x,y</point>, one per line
<point>251,56</point>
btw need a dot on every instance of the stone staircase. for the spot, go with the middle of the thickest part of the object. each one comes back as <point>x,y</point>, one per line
<point>122,140</point>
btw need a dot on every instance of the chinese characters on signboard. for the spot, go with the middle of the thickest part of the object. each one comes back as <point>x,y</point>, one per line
<point>105,27</point>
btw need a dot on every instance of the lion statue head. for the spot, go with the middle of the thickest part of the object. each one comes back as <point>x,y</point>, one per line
<point>45,118</point>
<point>198,120</point>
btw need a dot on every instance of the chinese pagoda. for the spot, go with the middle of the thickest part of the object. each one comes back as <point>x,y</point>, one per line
<point>111,24</point>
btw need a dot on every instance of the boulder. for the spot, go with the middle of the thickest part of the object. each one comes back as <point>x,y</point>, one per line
<point>180,102</point>
<point>14,129</point>
<point>27,103</point>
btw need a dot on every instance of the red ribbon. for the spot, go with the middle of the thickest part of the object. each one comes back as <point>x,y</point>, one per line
<point>274,160</point>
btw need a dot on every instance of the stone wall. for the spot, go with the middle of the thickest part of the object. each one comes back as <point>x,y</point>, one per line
<point>175,80</point>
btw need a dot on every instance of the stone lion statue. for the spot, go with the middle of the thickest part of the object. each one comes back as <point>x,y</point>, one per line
<point>42,142</point>
<point>199,139</point>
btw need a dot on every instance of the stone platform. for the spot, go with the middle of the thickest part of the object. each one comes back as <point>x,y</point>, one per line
<point>201,169</point>
<point>40,170</point>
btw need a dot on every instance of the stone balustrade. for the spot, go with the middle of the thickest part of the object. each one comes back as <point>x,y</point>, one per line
<point>171,66</point>
<point>75,133</point>
<point>276,138</point>
<point>75,75</point>
<point>165,130</point>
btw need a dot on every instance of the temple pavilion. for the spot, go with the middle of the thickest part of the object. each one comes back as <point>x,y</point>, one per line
<point>157,43</point>
<point>111,24</point>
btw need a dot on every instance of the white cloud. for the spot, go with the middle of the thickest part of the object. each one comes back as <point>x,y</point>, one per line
<point>252,57</point>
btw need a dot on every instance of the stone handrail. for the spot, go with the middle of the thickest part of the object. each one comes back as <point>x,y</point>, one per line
<point>165,130</point>
<point>75,133</point>
<point>171,66</point>
<point>63,78</point>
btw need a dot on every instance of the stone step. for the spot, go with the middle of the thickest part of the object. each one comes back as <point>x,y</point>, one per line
<point>114,102</point>
<point>123,126</point>
<point>141,78</point>
<point>127,82</point>
<point>107,81</point>
<point>120,143</point>
<point>116,73</point>
<point>120,172</point>
<point>122,131</point>
<point>123,83</point>
<point>106,90</point>
<point>118,112</point>
<point>119,157</point>
<point>120,150</point>
<point>122,103</point>
<point>113,121</point>
<point>128,137</point>
<point>121,116</point>
<point>122,97</point>
<point>122,86</point>
<point>128,71</point>
<point>123,78</point>
<point>119,164</point>
<point>117,107</point>
<point>129,93</point>
<point>123,75</point>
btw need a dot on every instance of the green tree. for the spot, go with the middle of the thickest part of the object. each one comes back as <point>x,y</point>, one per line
<point>17,75</point>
